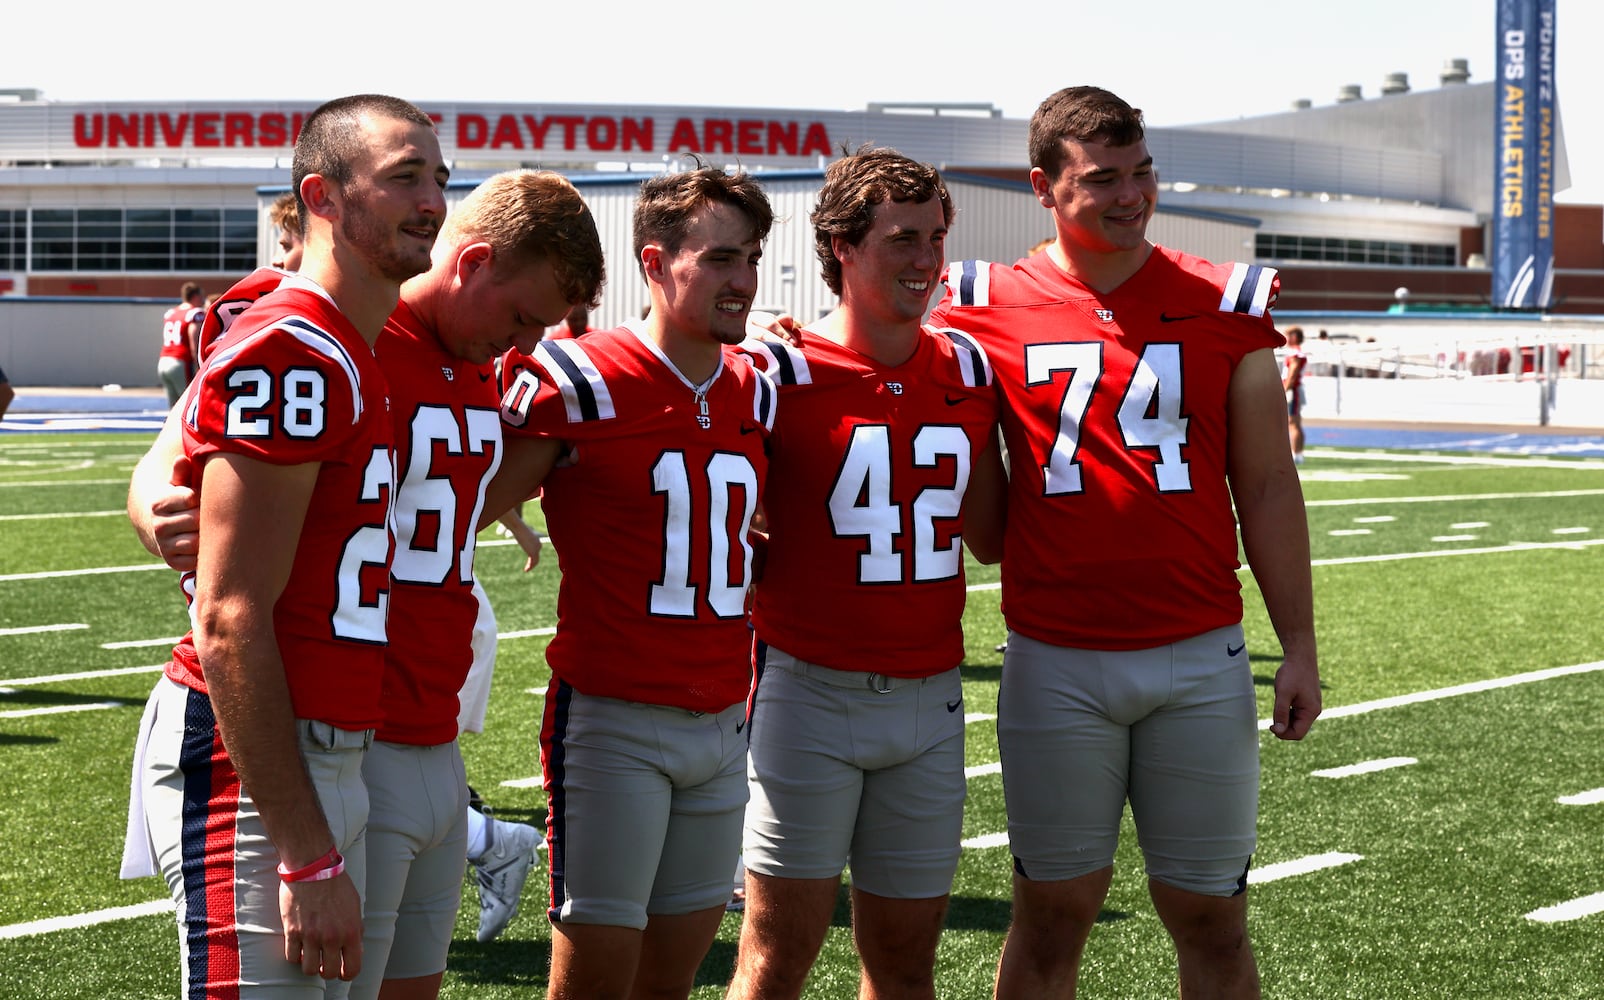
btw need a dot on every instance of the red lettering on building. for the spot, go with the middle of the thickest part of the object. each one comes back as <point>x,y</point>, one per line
<point>601,133</point>
<point>271,131</point>
<point>88,130</point>
<point>173,131</point>
<point>749,137</point>
<point>638,133</point>
<point>717,134</point>
<point>507,133</point>
<point>239,129</point>
<point>684,138</point>
<point>817,141</point>
<point>782,138</point>
<point>537,131</point>
<point>122,130</point>
<point>206,129</point>
<point>471,131</point>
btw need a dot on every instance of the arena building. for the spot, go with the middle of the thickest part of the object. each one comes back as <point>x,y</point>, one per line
<point>1352,199</point>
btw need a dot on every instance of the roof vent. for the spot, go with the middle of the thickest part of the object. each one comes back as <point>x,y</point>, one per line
<point>1349,92</point>
<point>1455,71</point>
<point>1302,104</point>
<point>1395,83</point>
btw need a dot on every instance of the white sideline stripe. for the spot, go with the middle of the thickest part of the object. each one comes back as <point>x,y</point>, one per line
<point>973,717</point>
<point>1467,525</point>
<point>1300,866</point>
<point>983,769</point>
<point>537,692</point>
<point>1364,767</point>
<point>1428,458</point>
<point>977,587</point>
<point>48,517</point>
<point>522,783</point>
<point>70,482</point>
<point>1572,531</point>
<point>81,676</point>
<point>23,713</point>
<point>1454,498</point>
<point>80,920</point>
<point>141,643</point>
<point>32,629</point>
<point>1589,798</point>
<point>1344,532</point>
<point>1454,538</point>
<point>1379,519</point>
<point>987,840</point>
<point>56,574</point>
<point>525,633</point>
<point>1490,550</point>
<point>1475,687</point>
<point>1584,906</point>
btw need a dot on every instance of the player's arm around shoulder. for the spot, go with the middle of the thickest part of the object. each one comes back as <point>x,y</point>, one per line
<point>1275,533</point>
<point>985,504</point>
<point>251,516</point>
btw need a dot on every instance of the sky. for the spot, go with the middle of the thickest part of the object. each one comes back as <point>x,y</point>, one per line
<point>1180,62</point>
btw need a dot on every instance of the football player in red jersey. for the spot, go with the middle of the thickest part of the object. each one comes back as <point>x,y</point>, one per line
<point>175,365</point>
<point>512,257</point>
<point>1293,365</point>
<point>885,435</point>
<point>1140,399</point>
<point>253,743</point>
<point>664,431</point>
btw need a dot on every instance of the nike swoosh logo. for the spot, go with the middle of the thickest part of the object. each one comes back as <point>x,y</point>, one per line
<point>1233,652</point>
<point>748,428</point>
<point>953,706</point>
<point>1167,318</point>
<point>484,377</point>
<point>953,402</point>
<point>739,726</point>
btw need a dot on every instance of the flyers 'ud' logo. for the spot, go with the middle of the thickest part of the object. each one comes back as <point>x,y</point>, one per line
<point>895,387</point>
<point>1106,315</point>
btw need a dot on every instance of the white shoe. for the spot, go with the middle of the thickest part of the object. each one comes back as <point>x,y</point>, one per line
<point>501,872</point>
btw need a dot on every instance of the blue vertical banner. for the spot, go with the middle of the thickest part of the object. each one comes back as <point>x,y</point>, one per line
<point>1523,180</point>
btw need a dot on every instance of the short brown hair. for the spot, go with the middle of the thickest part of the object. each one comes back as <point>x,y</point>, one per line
<point>669,202</point>
<point>330,141</point>
<point>534,215</point>
<point>286,213</point>
<point>1080,114</point>
<point>856,183</point>
<point>188,290</point>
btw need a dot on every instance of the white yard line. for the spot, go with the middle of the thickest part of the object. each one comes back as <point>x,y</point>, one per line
<point>80,920</point>
<point>74,515</point>
<point>1575,909</point>
<point>171,640</point>
<point>1300,866</point>
<point>60,574</point>
<point>82,675</point>
<point>23,713</point>
<point>1364,767</point>
<point>35,629</point>
<point>1591,797</point>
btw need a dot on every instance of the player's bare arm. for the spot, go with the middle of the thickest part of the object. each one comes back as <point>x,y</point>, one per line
<point>251,518</point>
<point>1275,534</point>
<point>986,505</point>
<point>522,471</point>
<point>526,537</point>
<point>164,511</point>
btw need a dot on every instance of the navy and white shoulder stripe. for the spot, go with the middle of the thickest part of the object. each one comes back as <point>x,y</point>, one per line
<point>764,399</point>
<point>970,281</point>
<point>309,334</point>
<point>785,364</point>
<point>973,363</point>
<point>1248,289</point>
<point>584,391</point>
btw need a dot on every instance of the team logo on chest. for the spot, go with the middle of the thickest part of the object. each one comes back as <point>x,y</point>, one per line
<point>450,375</point>
<point>895,388</point>
<point>1106,315</point>
<point>703,419</point>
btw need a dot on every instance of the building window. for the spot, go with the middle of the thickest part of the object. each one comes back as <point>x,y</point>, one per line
<point>1385,253</point>
<point>170,240</point>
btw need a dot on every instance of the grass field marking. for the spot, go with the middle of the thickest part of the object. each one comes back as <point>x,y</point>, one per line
<point>1439,553</point>
<point>1378,519</point>
<point>1364,767</point>
<point>1300,866</point>
<point>54,517</point>
<point>1453,498</point>
<point>1575,909</point>
<point>1468,525</point>
<point>522,783</point>
<point>1588,798</point>
<point>1424,458</point>
<point>142,643</point>
<point>33,629</point>
<point>970,718</point>
<point>1454,538</point>
<point>60,574</point>
<point>81,676</point>
<point>80,920</point>
<point>68,482</point>
<point>1572,531</point>
<point>23,713</point>
<point>525,633</point>
<point>1345,532</point>
<point>537,692</point>
<point>1474,687</point>
<point>980,770</point>
<point>986,840</point>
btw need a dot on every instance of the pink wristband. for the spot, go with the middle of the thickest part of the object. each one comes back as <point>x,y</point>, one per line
<point>326,867</point>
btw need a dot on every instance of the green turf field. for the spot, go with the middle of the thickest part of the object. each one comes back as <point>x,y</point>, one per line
<point>1434,573</point>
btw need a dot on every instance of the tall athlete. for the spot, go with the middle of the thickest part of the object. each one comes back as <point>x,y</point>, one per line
<point>253,742</point>
<point>175,365</point>
<point>664,433</point>
<point>512,257</point>
<point>857,724</point>
<point>1141,399</point>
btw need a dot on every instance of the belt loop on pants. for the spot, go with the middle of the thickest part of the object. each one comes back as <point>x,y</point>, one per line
<point>327,736</point>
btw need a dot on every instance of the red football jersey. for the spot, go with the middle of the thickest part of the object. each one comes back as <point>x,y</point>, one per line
<point>648,513</point>
<point>865,567</point>
<point>1120,532</point>
<point>448,446</point>
<point>293,382</point>
<point>174,322</point>
<point>217,317</point>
